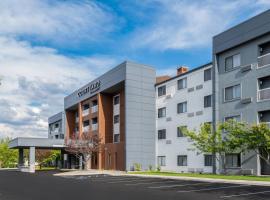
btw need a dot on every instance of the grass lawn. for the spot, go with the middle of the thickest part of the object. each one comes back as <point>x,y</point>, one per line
<point>214,176</point>
<point>45,168</point>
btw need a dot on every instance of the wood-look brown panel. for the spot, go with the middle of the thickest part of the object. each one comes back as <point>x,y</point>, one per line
<point>70,123</point>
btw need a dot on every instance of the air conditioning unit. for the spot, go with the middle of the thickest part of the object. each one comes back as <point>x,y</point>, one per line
<point>246,100</point>
<point>254,65</point>
<point>168,96</point>
<point>168,141</point>
<point>168,119</point>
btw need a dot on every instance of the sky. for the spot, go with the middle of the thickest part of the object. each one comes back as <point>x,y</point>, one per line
<point>49,48</point>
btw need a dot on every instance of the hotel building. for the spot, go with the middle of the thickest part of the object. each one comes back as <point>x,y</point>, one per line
<point>119,107</point>
<point>241,57</point>
<point>183,101</point>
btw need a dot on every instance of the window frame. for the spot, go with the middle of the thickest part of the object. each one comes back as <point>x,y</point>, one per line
<point>179,131</point>
<point>116,117</point>
<point>183,80</point>
<point>205,71</point>
<point>232,57</point>
<point>163,91</point>
<point>161,116</point>
<point>239,160</point>
<point>162,134</point>
<point>233,88</point>
<point>161,161</point>
<point>205,160</point>
<point>183,164</point>
<point>204,102</point>
<point>178,105</point>
<point>116,97</point>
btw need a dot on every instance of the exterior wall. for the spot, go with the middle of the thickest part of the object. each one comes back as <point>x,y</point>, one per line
<point>173,146</point>
<point>56,120</point>
<point>140,115</point>
<point>228,44</point>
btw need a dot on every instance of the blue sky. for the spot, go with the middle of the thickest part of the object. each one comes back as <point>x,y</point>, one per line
<point>51,47</point>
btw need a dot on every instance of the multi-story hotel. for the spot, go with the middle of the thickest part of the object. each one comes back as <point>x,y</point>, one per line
<point>119,107</point>
<point>241,56</point>
<point>183,101</point>
<point>140,118</point>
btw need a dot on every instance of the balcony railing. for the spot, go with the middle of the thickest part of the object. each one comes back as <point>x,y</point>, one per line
<point>264,94</point>
<point>94,109</point>
<point>264,60</point>
<point>85,128</point>
<point>85,112</point>
<point>94,127</point>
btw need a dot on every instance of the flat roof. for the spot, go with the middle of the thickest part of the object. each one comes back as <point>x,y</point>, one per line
<point>40,143</point>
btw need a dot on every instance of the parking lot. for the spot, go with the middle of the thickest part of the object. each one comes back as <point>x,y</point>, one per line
<point>43,185</point>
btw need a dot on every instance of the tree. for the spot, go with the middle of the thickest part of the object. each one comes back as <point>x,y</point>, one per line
<point>245,137</point>
<point>84,147</point>
<point>206,140</point>
<point>47,157</point>
<point>8,157</point>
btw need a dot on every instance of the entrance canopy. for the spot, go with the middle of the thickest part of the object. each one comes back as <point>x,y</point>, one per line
<point>39,143</point>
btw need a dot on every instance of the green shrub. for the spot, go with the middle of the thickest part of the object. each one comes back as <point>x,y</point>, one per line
<point>158,168</point>
<point>137,167</point>
<point>150,168</point>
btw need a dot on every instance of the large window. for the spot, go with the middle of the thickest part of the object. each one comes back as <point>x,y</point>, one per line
<point>232,62</point>
<point>85,106</point>
<point>161,160</point>
<point>234,118</point>
<point>182,107</point>
<point>233,92</point>
<point>86,123</point>
<point>182,83</point>
<point>162,90</point>
<point>208,101</point>
<point>233,160</point>
<point>116,138</point>
<point>181,130</point>
<point>208,160</point>
<point>208,74</point>
<point>182,160</point>
<point>162,134</point>
<point>162,112</point>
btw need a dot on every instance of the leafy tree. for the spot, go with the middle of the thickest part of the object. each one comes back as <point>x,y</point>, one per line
<point>47,157</point>
<point>245,137</point>
<point>8,157</point>
<point>206,140</point>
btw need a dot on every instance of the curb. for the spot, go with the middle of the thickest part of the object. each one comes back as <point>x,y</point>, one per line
<point>210,180</point>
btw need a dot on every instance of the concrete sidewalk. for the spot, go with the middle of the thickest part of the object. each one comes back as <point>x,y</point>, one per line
<point>210,180</point>
<point>90,172</point>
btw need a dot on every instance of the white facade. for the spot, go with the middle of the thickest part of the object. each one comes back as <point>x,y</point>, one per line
<point>196,114</point>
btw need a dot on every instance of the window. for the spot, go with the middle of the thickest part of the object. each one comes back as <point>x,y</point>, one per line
<point>182,107</point>
<point>162,90</point>
<point>208,74</point>
<point>233,160</point>
<point>162,134</point>
<point>86,123</point>
<point>181,130</point>
<point>85,106</point>
<point>233,92</point>
<point>116,138</point>
<point>208,160</point>
<point>232,62</point>
<point>182,160</point>
<point>161,160</point>
<point>162,112</point>
<point>116,119</point>
<point>182,83</point>
<point>208,101</point>
<point>116,100</point>
<point>236,118</point>
<point>264,48</point>
<point>56,125</point>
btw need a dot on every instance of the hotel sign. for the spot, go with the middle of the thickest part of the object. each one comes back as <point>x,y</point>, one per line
<point>94,87</point>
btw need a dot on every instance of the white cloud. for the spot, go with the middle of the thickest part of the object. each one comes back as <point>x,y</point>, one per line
<point>64,22</point>
<point>35,81</point>
<point>189,24</point>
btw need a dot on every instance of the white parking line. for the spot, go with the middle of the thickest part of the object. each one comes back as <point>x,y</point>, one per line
<point>151,183</point>
<point>126,181</point>
<point>116,179</point>
<point>246,194</point>
<point>216,188</point>
<point>170,186</point>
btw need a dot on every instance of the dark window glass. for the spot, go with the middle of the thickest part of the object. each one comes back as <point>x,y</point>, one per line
<point>116,119</point>
<point>85,106</point>
<point>208,101</point>
<point>116,138</point>
<point>182,107</point>
<point>233,160</point>
<point>116,100</point>
<point>182,83</point>
<point>162,90</point>
<point>182,160</point>
<point>161,112</point>
<point>181,130</point>
<point>207,74</point>
<point>208,160</point>
<point>162,134</point>
<point>86,123</point>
